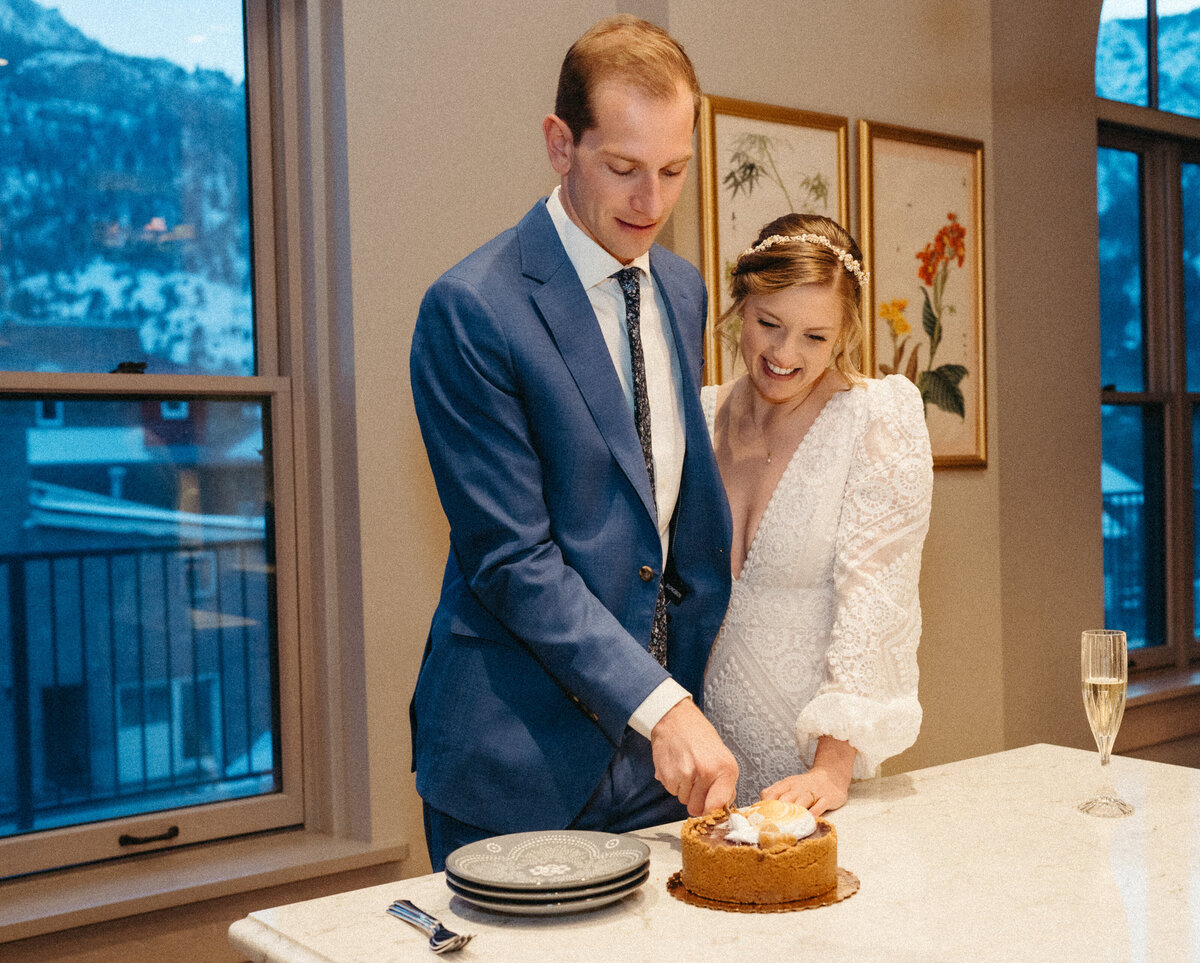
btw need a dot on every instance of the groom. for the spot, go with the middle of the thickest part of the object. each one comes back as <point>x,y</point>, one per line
<point>589,534</point>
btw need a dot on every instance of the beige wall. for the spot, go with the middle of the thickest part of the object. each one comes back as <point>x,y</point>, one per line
<point>1047,362</point>
<point>444,104</point>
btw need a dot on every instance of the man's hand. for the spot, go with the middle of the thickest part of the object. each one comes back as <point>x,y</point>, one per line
<point>691,761</point>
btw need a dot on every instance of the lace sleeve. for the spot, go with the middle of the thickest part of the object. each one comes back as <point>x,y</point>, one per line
<point>869,696</point>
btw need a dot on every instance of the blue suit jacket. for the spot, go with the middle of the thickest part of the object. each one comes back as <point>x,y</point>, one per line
<point>537,655</point>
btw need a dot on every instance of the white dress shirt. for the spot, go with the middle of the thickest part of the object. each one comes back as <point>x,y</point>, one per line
<point>595,268</point>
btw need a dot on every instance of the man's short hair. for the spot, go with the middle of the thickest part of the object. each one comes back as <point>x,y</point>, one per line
<point>624,48</point>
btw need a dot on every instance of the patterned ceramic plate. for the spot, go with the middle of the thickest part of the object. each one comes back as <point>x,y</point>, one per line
<point>554,860</point>
<point>498,904</point>
<point>464,888</point>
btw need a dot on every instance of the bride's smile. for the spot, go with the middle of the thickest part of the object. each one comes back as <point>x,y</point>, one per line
<point>788,340</point>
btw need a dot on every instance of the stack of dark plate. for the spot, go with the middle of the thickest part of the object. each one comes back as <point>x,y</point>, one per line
<point>547,873</point>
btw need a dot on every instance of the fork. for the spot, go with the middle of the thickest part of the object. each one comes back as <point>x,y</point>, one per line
<point>441,940</point>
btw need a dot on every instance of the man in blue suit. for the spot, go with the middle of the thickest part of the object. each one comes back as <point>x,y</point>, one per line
<point>573,529</point>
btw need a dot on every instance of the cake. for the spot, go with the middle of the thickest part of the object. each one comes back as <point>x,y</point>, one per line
<point>768,853</point>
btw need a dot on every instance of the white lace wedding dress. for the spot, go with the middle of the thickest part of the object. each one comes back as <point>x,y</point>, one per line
<point>822,629</point>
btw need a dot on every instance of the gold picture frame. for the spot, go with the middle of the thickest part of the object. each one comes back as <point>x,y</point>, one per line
<point>758,162</point>
<point>921,231</point>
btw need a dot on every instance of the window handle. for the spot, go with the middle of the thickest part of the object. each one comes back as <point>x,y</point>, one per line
<point>126,840</point>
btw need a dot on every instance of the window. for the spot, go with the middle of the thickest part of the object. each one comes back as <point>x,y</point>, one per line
<point>1146,54</point>
<point>148,649</point>
<point>1148,204</point>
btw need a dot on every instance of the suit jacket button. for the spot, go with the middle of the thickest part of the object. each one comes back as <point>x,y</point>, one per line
<point>645,573</point>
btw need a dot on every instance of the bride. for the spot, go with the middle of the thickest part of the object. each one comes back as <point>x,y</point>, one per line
<point>812,680</point>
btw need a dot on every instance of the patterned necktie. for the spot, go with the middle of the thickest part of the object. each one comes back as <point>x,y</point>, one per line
<point>628,278</point>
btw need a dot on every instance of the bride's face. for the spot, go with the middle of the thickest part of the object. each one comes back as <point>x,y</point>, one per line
<point>788,339</point>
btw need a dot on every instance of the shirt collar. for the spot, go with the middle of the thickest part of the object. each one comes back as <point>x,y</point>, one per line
<point>592,263</point>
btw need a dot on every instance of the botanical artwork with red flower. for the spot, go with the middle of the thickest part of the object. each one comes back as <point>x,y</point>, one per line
<point>940,384</point>
<point>923,226</point>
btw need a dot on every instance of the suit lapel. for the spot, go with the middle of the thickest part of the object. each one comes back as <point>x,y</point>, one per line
<point>679,301</point>
<point>564,305</point>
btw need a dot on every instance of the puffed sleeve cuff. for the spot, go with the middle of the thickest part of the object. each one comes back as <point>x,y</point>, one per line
<point>878,730</point>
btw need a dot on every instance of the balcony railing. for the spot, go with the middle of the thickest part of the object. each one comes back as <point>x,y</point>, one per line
<point>133,680</point>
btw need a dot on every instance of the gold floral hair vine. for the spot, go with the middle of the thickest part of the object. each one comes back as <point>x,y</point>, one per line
<point>847,259</point>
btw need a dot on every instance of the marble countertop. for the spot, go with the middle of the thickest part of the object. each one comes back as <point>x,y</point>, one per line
<point>984,859</point>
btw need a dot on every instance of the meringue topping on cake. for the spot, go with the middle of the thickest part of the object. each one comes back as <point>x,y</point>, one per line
<point>769,822</point>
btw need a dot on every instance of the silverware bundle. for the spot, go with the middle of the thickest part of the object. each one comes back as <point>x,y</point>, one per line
<point>441,940</point>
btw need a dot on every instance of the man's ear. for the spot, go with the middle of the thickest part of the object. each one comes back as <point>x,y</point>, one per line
<point>559,143</point>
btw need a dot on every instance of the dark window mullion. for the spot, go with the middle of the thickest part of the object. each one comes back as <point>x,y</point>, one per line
<point>1152,53</point>
<point>1188,642</point>
<point>1145,399</point>
<point>1187,646</point>
<point>1166,376</point>
<point>1164,349</point>
<point>1169,316</point>
<point>1177,534</point>
<point>1165,363</point>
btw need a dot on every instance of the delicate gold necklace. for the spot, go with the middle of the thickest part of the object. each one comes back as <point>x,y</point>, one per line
<point>762,432</point>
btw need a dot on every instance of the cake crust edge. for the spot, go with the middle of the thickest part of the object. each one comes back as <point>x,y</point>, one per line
<point>780,873</point>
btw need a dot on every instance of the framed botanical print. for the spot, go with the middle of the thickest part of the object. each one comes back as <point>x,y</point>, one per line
<point>921,230</point>
<point>758,162</point>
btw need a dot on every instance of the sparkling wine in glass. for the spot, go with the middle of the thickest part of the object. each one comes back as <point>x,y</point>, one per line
<point>1105,673</point>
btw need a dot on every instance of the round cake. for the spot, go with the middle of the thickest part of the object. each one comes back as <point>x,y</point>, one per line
<point>771,852</point>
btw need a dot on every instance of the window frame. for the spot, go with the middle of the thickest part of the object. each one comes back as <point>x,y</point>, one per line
<point>1163,142</point>
<point>51,849</point>
<point>266,24</point>
<point>304,281</point>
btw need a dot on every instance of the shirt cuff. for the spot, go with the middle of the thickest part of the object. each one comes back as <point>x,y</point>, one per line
<point>656,705</point>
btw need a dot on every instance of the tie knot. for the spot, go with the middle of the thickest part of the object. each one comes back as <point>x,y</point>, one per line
<point>630,284</point>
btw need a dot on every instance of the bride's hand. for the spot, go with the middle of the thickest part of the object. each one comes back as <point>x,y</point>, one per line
<point>826,785</point>
<point>816,790</point>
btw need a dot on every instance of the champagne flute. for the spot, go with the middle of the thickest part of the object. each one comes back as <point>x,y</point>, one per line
<point>1105,672</point>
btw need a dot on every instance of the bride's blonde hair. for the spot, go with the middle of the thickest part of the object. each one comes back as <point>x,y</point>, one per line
<point>803,249</point>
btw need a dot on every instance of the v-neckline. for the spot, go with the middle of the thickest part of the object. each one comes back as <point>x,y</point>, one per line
<point>779,484</point>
